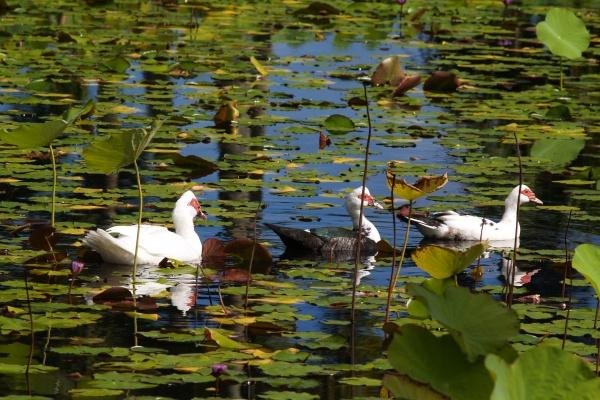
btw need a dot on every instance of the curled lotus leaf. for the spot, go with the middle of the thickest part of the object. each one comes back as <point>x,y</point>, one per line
<point>423,186</point>
<point>388,71</point>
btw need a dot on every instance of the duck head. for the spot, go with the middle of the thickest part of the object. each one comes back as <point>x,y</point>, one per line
<point>526,195</point>
<point>188,204</point>
<point>355,197</point>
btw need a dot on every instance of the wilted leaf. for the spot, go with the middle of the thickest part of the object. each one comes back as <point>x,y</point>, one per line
<point>442,82</point>
<point>213,247</point>
<point>389,71</point>
<point>43,238</point>
<point>424,186</point>
<point>442,262</point>
<point>227,114</point>
<point>564,33</point>
<point>324,141</point>
<point>407,83</point>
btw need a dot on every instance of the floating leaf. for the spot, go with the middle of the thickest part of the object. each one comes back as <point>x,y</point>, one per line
<point>564,33</point>
<point>559,151</point>
<point>117,64</point>
<point>586,261</point>
<point>476,321</point>
<point>389,71</point>
<point>544,372</point>
<point>424,186</point>
<point>198,166</point>
<point>559,112</point>
<point>221,340</point>
<point>119,150</point>
<point>442,262</point>
<point>338,123</point>
<point>438,362</point>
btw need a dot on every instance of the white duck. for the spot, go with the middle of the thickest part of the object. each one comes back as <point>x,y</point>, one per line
<point>450,225</point>
<point>117,244</point>
<point>327,239</point>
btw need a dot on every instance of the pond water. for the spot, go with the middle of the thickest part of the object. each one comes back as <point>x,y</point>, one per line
<point>184,60</point>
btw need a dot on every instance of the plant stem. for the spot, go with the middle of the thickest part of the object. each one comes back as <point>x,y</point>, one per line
<point>565,273</point>
<point>135,254</point>
<point>32,341</point>
<point>597,340</point>
<point>561,74</point>
<point>359,233</point>
<point>54,178</point>
<point>393,281</point>
<point>515,244</point>
<point>252,256</point>
<point>393,272</point>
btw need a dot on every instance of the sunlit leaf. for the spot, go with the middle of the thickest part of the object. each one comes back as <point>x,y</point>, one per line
<point>259,67</point>
<point>227,114</point>
<point>586,261</point>
<point>442,262</point>
<point>424,186</point>
<point>544,372</point>
<point>34,135</point>
<point>564,33</point>
<point>117,64</point>
<point>559,151</point>
<point>338,123</point>
<point>217,336</point>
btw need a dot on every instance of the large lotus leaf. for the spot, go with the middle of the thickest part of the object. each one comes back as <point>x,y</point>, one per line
<point>544,372</point>
<point>478,323</point>
<point>560,151</point>
<point>564,33</point>
<point>438,362</point>
<point>423,186</point>
<point>119,150</point>
<point>587,262</point>
<point>34,135</point>
<point>442,262</point>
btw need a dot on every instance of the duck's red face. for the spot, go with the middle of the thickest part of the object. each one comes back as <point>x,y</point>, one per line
<point>371,202</point>
<point>531,196</point>
<point>194,203</point>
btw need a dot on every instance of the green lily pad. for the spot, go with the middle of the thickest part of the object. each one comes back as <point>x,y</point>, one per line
<point>586,261</point>
<point>564,33</point>
<point>338,123</point>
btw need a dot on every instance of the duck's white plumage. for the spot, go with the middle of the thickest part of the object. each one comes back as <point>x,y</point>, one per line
<point>117,244</point>
<point>450,225</point>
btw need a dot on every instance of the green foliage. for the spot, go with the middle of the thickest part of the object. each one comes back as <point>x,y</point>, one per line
<point>586,261</point>
<point>558,151</point>
<point>476,321</point>
<point>564,33</point>
<point>119,150</point>
<point>338,123</point>
<point>442,262</point>
<point>544,372</point>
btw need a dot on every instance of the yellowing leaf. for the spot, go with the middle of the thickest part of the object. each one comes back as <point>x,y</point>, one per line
<point>345,160</point>
<point>424,186</point>
<point>442,262</point>
<point>122,109</point>
<point>151,317</point>
<point>279,300</point>
<point>259,67</point>
<point>227,114</point>
<point>73,231</point>
<point>223,341</point>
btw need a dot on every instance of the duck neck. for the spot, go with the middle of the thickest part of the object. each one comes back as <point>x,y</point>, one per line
<point>367,226</point>
<point>509,218</point>
<point>184,227</point>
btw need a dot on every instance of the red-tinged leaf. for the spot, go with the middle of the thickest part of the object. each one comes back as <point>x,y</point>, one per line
<point>442,82</point>
<point>234,275</point>
<point>48,258</point>
<point>324,141</point>
<point>418,14</point>
<point>531,299</point>
<point>113,294</point>
<point>213,247</point>
<point>407,83</point>
<point>43,238</point>
<point>242,249</point>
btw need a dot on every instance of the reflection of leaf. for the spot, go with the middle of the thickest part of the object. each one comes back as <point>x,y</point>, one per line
<point>564,33</point>
<point>424,186</point>
<point>478,323</point>
<point>198,166</point>
<point>227,114</point>
<point>43,238</point>
<point>338,123</point>
<point>324,141</point>
<point>242,248</point>
<point>442,262</point>
<point>587,262</point>
<point>439,363</point>
<point>560,151</point>
<point>389,71</point>
<point>544,372</point>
